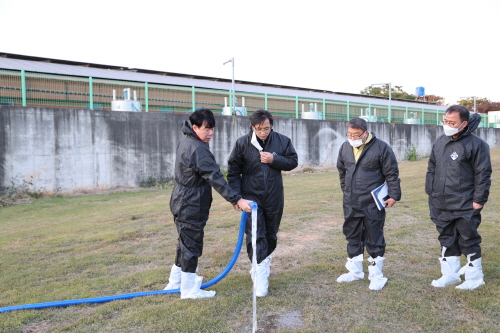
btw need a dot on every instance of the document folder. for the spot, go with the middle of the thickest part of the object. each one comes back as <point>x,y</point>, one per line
<point>381,194</point>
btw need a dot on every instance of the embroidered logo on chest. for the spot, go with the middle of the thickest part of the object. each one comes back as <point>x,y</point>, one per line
<point>454,155</point>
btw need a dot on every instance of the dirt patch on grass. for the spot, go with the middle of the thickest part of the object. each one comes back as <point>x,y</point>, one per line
<point>309,169</point>
<point>23,197</point>
<point>106,190</point>
<point>293,245</point>
<point>37,327</point>
<point>20,199</point>
<point>291,321</point>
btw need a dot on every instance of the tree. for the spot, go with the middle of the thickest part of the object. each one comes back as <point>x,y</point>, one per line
<point>396,92</point>
<point>432,99</point>
<point>483,105</point>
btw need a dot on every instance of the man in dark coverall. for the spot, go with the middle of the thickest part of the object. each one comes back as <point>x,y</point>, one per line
<point>364,163</point>
<point>196,172</point>
<point>458,184</point>
<point>254,171</point>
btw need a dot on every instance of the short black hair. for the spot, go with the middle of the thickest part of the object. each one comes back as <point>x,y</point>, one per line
<point>462,110</point>
<point>199,116</point>
<point>260,116</point>
<point>357,123</point>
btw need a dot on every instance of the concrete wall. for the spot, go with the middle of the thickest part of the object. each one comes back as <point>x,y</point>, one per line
<point>62,150</point>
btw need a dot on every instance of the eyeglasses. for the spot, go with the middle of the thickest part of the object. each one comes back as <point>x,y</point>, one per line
<point>262,130</point>
<point>450,123</point>
<point>354,136</point>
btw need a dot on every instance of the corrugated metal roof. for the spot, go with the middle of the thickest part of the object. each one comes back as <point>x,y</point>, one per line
<point>72,68</point>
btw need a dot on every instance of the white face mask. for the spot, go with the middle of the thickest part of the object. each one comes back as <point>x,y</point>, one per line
<point>450,131</point>
<point>356,143</point>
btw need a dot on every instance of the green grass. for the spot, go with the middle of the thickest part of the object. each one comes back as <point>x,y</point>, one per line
<point>54,249</point>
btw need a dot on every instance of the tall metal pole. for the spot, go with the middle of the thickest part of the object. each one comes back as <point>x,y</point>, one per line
<point>474,101</point>
<point>233,97</point>
<point>390,97</point>
<point>234,91</point>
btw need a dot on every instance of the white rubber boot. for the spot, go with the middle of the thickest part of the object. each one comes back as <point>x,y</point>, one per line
<point>190,287</point>
<point>355,268</point>
<point>449,268</point>
<point>375,275</point>
<point>174,281</point>
<point>268,265</point>
<point>473,271</point>
<point>263,272</point>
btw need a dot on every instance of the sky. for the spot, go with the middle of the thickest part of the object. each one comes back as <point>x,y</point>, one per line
<point>446,46</point>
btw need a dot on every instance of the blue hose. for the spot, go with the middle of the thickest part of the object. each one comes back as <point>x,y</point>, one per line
<point>146,293</point>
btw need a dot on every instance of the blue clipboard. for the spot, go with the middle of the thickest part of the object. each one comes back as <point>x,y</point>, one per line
<point>381,194</point>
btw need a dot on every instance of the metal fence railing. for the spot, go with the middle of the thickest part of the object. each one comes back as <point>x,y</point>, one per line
<point>50,90</point>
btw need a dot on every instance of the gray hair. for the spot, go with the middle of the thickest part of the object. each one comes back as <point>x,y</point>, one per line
<point>357,123</point>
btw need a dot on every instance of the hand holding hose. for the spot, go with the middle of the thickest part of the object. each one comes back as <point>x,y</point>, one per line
<point>243,205</point>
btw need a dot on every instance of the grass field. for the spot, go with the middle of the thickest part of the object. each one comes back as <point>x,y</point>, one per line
<point>55,249</point>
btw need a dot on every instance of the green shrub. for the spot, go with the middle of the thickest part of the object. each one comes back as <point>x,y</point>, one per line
<point>412,154</point>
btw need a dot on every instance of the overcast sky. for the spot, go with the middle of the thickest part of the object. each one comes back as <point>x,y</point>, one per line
<point>450,47</point>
